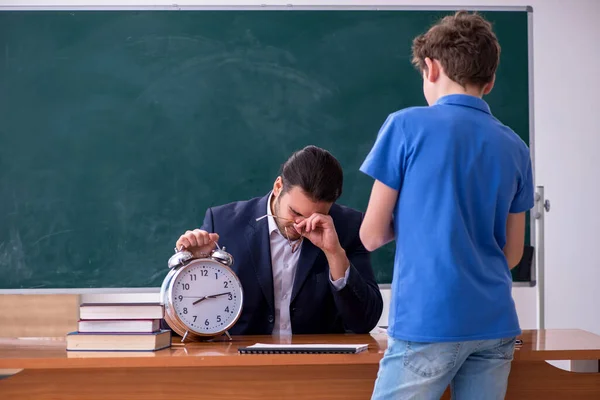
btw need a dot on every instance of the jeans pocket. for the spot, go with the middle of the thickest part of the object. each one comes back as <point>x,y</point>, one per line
<point>430,359</point>
<point>506,348</point>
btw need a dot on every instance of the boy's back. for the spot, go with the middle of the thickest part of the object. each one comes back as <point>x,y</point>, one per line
<point>452,185</point>
<point>458,173</point>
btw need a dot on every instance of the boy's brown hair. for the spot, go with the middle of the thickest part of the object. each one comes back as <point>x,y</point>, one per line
<point>464,44</point>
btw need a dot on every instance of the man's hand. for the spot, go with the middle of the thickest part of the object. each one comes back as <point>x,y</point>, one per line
<point>319,229</point>
<point>200,243</point>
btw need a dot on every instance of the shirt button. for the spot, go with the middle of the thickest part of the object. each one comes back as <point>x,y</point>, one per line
<point>285,265</point>
<point>271,319</point>
<point>285,296</point>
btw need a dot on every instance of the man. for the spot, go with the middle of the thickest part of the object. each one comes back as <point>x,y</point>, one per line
<point>452,185</point>
<point>297,254</point>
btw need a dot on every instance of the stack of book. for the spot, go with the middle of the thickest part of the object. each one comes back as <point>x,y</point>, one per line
<point>119,327</point>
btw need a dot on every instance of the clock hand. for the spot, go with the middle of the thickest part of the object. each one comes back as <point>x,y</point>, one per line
<point>199,300</point>
<point>212,296</point>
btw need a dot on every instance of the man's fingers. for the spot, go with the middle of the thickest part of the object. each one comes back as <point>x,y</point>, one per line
<point>196,238</point>
<point>197,235</point>
<point>317,220</point>
<point>183,242</point>
<point>189,235</point>
<point>204,238</point>
<point>309,223</point>
<point>300,227</point>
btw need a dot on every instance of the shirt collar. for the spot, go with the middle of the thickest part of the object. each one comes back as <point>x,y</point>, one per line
<point>272,224</point>
<point>465,100</point>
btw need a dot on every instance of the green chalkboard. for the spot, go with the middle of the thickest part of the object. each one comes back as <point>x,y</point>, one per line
<point>119,128</point>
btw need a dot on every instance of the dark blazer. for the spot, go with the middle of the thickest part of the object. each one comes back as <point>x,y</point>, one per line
<point>315,307</point>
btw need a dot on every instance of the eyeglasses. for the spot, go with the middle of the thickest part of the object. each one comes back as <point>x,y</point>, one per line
<point>295,245</point>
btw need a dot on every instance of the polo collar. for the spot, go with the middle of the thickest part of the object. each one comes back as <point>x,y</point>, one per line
<point>466,101</point>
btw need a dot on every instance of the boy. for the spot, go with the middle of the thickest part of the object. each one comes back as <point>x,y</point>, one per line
<point>452,185</point>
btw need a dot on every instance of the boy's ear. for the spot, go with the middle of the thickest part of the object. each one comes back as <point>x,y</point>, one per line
<point>432,70</point>
<point>489,86</point>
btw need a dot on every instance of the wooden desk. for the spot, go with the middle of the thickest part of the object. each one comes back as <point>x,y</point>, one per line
<point>216,371</point>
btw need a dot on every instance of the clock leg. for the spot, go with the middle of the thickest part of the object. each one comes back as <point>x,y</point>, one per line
<point>184,336</point>
<point>228,335</point>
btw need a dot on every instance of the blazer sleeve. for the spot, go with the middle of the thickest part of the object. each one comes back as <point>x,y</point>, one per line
<point>208,223</point>
<point>359,302</point>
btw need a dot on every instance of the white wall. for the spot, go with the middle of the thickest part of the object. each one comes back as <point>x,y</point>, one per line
<point>567,143</point>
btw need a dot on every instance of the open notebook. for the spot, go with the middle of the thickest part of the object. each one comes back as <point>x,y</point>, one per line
<point>262,348</point>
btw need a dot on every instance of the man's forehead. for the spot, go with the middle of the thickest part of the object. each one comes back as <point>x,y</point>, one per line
<point>300,202</point>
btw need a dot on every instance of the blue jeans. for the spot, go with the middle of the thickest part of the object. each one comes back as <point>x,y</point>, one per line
<point>473,369</point>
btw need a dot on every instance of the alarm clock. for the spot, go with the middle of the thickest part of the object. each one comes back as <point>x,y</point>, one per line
<point>202,297</point>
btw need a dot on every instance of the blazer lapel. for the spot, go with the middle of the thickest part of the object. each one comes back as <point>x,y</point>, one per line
<point>257,237</point>
<point>308,254</point>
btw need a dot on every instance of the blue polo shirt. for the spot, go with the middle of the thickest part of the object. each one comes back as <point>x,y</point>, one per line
<point>459,172</point>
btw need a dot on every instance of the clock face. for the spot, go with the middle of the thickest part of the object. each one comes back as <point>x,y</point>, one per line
<point>207,297</point>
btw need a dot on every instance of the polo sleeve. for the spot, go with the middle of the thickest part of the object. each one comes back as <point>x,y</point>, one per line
<point>523,200</point>
<point>385,160</point>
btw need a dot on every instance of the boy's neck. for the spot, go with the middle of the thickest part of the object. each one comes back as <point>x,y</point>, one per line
<point>450,87</point>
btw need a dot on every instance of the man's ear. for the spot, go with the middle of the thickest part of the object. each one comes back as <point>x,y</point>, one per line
<point>277,186</point>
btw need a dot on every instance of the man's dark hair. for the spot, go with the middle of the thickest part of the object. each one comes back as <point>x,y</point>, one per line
<point>464,44</point>
<point>316,172</point>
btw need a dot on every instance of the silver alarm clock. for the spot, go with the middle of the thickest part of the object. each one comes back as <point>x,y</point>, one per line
<point>202,297</point>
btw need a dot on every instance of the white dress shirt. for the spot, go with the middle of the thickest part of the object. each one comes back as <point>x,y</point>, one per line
<point>283,264</point>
